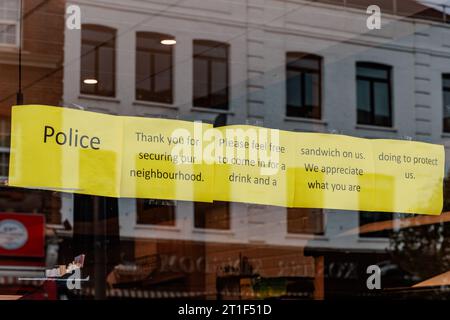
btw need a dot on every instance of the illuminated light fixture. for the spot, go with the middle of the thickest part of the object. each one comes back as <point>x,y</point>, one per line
<point>168,42</point>
<point>90,81</point>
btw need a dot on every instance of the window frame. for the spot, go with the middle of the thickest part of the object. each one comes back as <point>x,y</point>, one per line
<point>303,71</point>
<point>209,59</point>
<point>97,45</point>
<point>16,23</point>
<point>200,221</point>
<point>152,52</point>
<point>159,205</point>
<point>372,81</point>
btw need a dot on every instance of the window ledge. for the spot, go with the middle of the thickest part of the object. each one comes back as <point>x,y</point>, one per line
<point>212,110</point>
<point>98,98</point>
<point>155,227</point>
<point>306,120</point>
<point>445,135</point>
<point>214,232</point>
<point>375,128</point>
<point>154,104</point>
<point>305,236</point>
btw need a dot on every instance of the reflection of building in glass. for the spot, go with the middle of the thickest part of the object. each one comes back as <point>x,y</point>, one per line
<point>40,82</point>
<point>294,65</point>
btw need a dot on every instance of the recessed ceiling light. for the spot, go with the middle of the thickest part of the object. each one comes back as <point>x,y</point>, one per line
<point>168,42</point>
<point>90,81</point>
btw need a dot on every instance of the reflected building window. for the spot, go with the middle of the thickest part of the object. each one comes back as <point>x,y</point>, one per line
<point>156,212</point>
<point>211,87</point>
<point>305,221</point>
<point>215,215</point>
<point>446,93</point>
<point>4,147</point>
<point>373,82</point>
<point>303,85</point>
<point>29,201</point>
<point>98,60</point>
<point>375,224</point>
<point>9,22</point>
<point>154,62</point>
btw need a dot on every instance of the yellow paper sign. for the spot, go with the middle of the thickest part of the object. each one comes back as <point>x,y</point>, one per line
<point>408,176</point>
<point>84,152</point>
<point>341,172</point>
<point>66,150</point>
<point>254,166</point>
<point>162,159</point>
<point>333,171</point>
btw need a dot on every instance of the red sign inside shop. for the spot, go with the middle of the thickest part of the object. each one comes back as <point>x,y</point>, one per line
<point>22,235</point>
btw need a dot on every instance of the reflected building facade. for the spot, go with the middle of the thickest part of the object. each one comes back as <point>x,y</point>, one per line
<point>310,66</point>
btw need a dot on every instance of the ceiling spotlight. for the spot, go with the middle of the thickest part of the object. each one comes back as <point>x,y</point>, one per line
<point>168,42</point>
